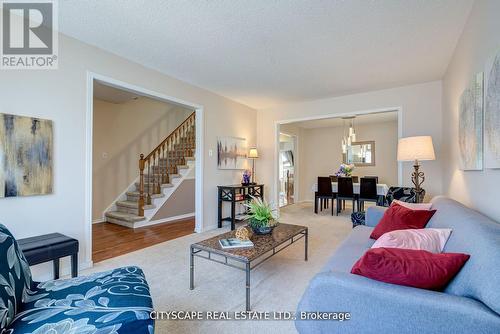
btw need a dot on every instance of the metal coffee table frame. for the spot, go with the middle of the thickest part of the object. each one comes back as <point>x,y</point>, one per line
<point>249,265</point>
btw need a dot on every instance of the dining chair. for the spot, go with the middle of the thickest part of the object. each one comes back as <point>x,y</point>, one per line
<point>345,191</point>
<point>324,193</point>
<point>367,192</point>
<point>371,177</point>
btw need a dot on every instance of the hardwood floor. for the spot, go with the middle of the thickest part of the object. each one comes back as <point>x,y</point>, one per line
<point>110,240</point>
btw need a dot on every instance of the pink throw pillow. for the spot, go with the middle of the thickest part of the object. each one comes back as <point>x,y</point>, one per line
<point>428,239</point>
<point>413,206</point>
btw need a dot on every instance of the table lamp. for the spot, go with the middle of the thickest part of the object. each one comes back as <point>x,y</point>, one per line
<point>253,154</point>
<point>416,149</point>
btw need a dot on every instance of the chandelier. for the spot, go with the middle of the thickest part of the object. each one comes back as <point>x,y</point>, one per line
<point>349,133</point>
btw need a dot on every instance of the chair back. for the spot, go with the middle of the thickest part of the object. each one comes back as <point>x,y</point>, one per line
<point>368,188</point>
<point>371,177</point>
<point>345,188</point>
<point>355,179</point>
<point>324,186</point>
<point>334,178</point>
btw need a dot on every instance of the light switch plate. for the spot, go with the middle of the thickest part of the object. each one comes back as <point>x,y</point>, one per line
<point>210,153</point>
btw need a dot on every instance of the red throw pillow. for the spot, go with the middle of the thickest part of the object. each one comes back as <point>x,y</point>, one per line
<point>410,267</point>
<point>397,217</point>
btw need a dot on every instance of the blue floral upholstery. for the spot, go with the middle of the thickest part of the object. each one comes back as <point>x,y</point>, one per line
<point>404,194</point>
<point>110,302</point>
<point>358,218</point>
<point>15,277</point>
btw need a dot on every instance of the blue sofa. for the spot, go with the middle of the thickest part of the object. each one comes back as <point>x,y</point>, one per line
<point>110,302</point>
<point>469,304</point>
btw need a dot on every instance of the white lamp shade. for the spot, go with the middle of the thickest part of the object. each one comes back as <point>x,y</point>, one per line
<point>416,148</point>
<point>253,153</point>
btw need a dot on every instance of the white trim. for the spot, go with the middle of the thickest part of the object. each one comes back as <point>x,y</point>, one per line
<point>88,168</point>
<point>400,135</point>
<point>98,221</point>
<point>399,110</point>
<point>164,220</point>
<point>199,187</point>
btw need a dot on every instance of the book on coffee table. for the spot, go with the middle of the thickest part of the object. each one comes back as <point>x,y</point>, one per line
<point>235,243</point>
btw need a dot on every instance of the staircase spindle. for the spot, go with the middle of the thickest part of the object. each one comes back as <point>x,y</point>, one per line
<point>141,186</point>
<point>149,182</point>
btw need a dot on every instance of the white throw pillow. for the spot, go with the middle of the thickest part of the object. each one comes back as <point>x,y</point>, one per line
<point>428,239</point>
<point>414,206</point>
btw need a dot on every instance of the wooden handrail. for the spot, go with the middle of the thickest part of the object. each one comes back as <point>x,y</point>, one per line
<point>163,161</point>
<point>192,116</point>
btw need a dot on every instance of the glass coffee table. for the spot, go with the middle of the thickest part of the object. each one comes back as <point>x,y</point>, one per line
<point>246,259</point>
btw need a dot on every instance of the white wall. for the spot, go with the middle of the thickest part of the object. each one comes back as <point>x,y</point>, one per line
<point>479,41</point>
<point>61,95</point>
<point>322,154</point>
<point>421,115</point>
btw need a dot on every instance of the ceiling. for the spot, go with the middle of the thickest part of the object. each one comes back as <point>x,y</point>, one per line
<point>262,53</point>
<point>358,120</point>
<point>111,94</point>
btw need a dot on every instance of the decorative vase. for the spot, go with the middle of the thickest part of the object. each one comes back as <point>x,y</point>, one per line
<point>263,230</point>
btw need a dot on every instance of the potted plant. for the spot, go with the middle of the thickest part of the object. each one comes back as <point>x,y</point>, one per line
<point>262,217</point>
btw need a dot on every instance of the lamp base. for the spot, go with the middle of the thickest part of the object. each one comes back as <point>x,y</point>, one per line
<point>418,178</point>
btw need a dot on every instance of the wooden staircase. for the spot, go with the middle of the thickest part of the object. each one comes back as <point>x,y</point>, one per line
<point>160,172</point>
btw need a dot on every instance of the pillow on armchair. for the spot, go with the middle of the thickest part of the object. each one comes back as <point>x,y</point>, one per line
<point>404,194</point>
<point>15,276</point>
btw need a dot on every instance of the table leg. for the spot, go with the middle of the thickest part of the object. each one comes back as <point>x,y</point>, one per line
<point>74,265</point>
<point>56,268</point>
<point>219,209</point>
<point>306,243</point>
<point>247,270</point>
<point>233,214</point>
<point>191,270</point>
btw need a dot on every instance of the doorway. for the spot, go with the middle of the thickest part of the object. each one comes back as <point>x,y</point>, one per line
<point>321,150</point>
<point>287,158</point>
<point>163,229</point>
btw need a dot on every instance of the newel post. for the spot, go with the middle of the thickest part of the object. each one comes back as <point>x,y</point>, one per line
<point>141,185</point>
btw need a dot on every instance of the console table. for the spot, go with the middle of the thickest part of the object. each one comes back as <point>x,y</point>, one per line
<point>50,247</point>
<point>234,194</point>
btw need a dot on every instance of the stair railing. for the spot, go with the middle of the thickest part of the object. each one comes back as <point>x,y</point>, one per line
<point>162,162</point>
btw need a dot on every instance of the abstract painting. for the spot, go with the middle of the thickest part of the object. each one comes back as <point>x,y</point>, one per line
<point>470,134</point>
<point>492,113</point>
<point>231,153</point>
<point>25,156</point>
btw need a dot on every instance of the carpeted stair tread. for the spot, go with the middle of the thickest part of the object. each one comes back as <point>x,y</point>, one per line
<point>128,217</point>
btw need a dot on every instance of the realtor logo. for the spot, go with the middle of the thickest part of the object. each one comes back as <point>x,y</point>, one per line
<point>29,35</point>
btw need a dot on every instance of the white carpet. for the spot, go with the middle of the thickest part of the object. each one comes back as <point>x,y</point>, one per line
<point>276,285</point>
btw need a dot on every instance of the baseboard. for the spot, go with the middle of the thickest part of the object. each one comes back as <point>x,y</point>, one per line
<point>165,220</point>
<point>99,220</point>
